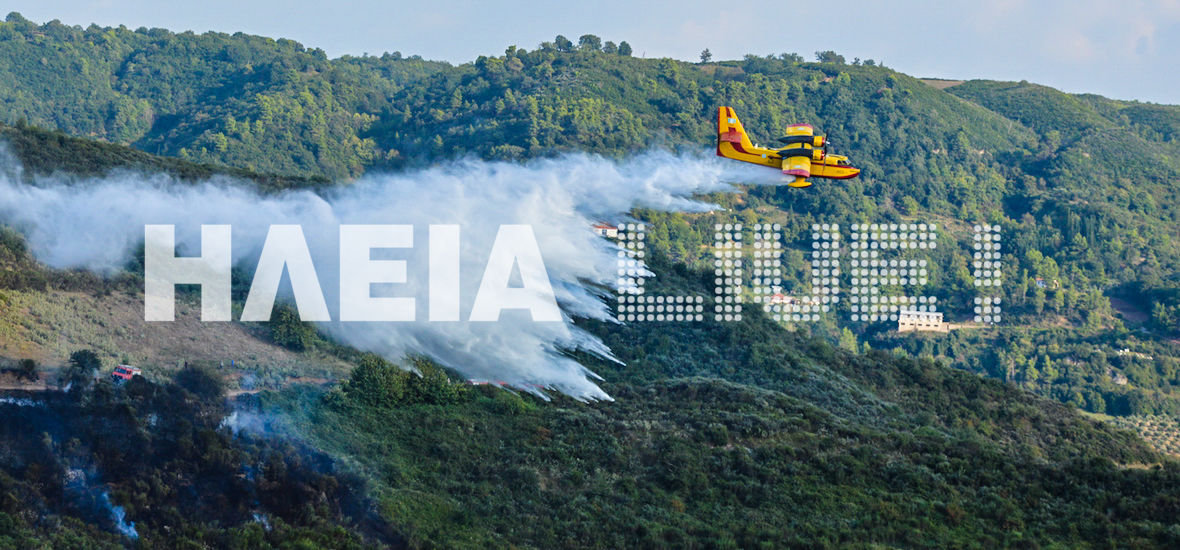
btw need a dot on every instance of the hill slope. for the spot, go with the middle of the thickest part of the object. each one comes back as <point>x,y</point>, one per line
<point>1081,185</point>
<point>733,435</point>
<point>739,435</point>
<point>47,314</point>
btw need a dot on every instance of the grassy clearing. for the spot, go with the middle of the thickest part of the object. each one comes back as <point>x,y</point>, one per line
<point>48,325</point>
<point>1161,432</point>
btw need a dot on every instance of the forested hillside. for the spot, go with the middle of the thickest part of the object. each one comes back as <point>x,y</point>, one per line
<point>728,435</point>
<point>1081,185</point>
<point>285,109</point>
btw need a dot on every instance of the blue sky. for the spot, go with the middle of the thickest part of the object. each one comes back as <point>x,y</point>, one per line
<point>1121,49</point>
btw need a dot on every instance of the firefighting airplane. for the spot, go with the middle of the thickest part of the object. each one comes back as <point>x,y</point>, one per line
<point>805,155</point>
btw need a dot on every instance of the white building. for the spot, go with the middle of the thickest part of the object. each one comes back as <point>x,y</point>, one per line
<point>909,320</point>
<point>606,230</point>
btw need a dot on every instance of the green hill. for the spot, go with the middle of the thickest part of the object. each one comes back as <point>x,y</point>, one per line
<point>1082,185</point>
<point>187,95</point>
<point>42,152</point>
<point>753,434</point>
<point>738,435</point>
<point>731,435</point>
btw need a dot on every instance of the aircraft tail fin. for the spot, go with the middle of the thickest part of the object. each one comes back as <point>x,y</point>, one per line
<point>730,131</point>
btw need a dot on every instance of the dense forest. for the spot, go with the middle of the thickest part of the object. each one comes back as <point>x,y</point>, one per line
<point>737,436</point>
<point>1080,184</point>
<point>747,434</point>
<point>721,435</point>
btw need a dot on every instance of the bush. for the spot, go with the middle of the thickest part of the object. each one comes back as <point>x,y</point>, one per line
<point>377,382</point>
<point>82,367</point>
<point>287,330</point>
<point>27,369</point>
<point>200,381</point>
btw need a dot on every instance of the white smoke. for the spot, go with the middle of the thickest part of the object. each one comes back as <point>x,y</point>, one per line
<point>97,224</point>
<point>86,486</point>
<point>119,517</point>
<point>254,423</point>
<point>20,401</point>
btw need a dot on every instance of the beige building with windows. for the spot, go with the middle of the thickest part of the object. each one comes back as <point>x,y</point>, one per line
<point>909,320</point>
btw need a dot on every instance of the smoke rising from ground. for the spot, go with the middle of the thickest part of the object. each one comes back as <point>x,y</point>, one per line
<point>97,224</point>
<point>92,495</point>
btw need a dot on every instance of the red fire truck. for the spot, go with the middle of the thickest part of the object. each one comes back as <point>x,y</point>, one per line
<point>124,373</point>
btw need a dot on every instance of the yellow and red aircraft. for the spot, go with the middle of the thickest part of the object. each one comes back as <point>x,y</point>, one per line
<point>805,155</point>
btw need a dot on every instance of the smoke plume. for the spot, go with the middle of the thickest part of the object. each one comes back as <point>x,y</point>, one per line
<point>97,224</point>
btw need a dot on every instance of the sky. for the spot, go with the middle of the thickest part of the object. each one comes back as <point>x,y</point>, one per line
<point>1121,49</point>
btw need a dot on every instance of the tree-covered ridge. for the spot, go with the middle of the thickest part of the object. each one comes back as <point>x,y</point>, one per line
<point>285,109</point>
<point>42,152</point>
<point>736,436</point>
<point>1042,108</point>
<point>274,106</point>
<point>1081,185</point>
<point>723,435</point>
